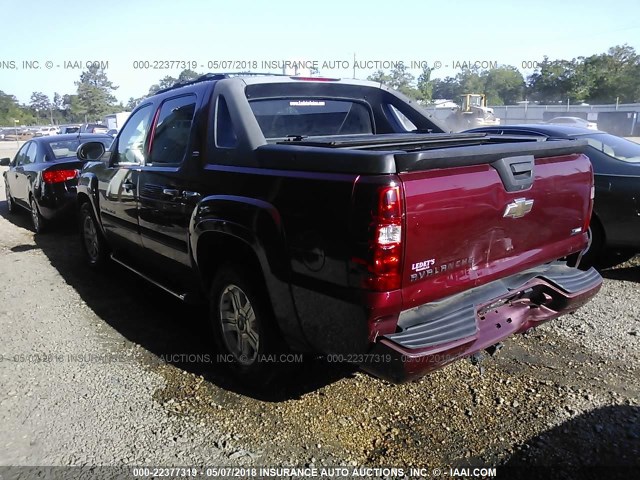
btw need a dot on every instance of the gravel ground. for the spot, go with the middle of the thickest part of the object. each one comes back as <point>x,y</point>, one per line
<point>119,388</point>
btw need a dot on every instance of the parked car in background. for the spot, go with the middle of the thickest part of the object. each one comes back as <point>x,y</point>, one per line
<point>113,132</point>
<point>574,122</point>
<point>615,225</point>
<point>43,176</point>
<point>94,128</point>
<point>69,129</point>
<point>46,132</point>
<point>115,121</point>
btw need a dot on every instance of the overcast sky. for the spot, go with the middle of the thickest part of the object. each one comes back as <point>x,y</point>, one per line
<point>120,32</point>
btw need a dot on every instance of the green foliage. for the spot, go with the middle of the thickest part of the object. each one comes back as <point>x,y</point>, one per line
<point>601,78</point>
<point>187,75</point>
<point>553,81</point>
<point>503,85</point>
<point>165,82</point>
<point>611,75</point>
<point>11,110</point>
<point>169,81</point>
<point>400,79</point>
<point>40,105</point>
<point>425,85</point>
<point>94,95</point>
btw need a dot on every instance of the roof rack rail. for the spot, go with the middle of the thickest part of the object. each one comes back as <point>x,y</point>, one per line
<point>202,78</point>
<point>256,74</point>
<point>218,76</point>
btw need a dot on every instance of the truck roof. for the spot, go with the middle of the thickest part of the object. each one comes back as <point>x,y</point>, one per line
<point>249,78</point>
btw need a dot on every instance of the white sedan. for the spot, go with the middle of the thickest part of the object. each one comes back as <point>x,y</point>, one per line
<point>46,132</point>
<point>575,122</point>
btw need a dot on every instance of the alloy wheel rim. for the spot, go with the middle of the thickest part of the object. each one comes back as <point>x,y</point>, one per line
<point>90,238</point>
<point>239,325</point>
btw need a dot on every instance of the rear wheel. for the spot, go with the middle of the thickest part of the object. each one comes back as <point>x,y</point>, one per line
<point>598,255</point>
<point>11,204</point>
<point>36,218</point>
<point>93,242</point>
<point>244,326</point>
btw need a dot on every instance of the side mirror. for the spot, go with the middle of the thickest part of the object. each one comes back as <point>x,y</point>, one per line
<point>90,151</point>
<point>5,162</point>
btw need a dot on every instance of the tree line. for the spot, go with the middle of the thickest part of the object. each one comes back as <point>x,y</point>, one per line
<point>610,77</point>
<point>94,98</point>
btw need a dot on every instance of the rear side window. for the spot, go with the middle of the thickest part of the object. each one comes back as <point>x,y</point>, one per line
<point>173,131</point>
<point>284,117</point>
<point>225,134</point>
<point>407,124</point>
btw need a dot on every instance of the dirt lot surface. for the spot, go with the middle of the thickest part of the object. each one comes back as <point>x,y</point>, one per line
<point>104,369</point>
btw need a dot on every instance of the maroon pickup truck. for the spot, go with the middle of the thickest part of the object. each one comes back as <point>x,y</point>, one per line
<point>337,216</point>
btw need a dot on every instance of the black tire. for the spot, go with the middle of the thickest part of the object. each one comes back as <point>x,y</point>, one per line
<point>249,343</point>
<point>11,204</point>
<point>612,258</point>
<point>38,222</point>
<point>93,242</point>
<point>598,255</point>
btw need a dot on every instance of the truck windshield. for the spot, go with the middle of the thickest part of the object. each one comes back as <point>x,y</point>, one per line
<point>282,117</point>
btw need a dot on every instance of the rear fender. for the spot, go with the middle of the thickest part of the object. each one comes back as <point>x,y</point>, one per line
<point>88,188</point>
<point>257,224</point>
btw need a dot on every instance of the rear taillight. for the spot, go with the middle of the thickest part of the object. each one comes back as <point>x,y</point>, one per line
<point>385,249</point>
<point>59,176</point>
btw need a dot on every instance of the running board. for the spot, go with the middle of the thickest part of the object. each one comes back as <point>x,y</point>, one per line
<point>185,297</point>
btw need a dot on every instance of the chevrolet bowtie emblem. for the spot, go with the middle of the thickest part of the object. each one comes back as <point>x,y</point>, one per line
<point>518,208</point>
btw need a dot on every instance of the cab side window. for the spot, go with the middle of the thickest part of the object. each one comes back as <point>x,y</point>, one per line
<point>173,131</point>
<point>225,133</point>
<point>131,143</point>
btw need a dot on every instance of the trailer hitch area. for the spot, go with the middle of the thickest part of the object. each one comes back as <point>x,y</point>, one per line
<point>494,349</point>
<point>476,359</point>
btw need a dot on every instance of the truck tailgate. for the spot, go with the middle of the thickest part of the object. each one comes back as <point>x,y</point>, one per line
<point>479,220</point>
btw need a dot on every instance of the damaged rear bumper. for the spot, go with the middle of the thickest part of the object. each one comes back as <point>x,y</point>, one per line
<point>433,335</point>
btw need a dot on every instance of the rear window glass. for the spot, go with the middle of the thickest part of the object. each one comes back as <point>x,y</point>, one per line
<point>280,117</point>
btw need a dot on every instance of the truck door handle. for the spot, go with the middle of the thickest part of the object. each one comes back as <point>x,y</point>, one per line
<point>128,186</point>
<point>171,192</point>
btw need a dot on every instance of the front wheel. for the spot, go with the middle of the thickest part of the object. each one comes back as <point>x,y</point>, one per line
<point>36,217</point>
<point>93,243</point>
<point>11,204</point>
<point>244,327</point>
